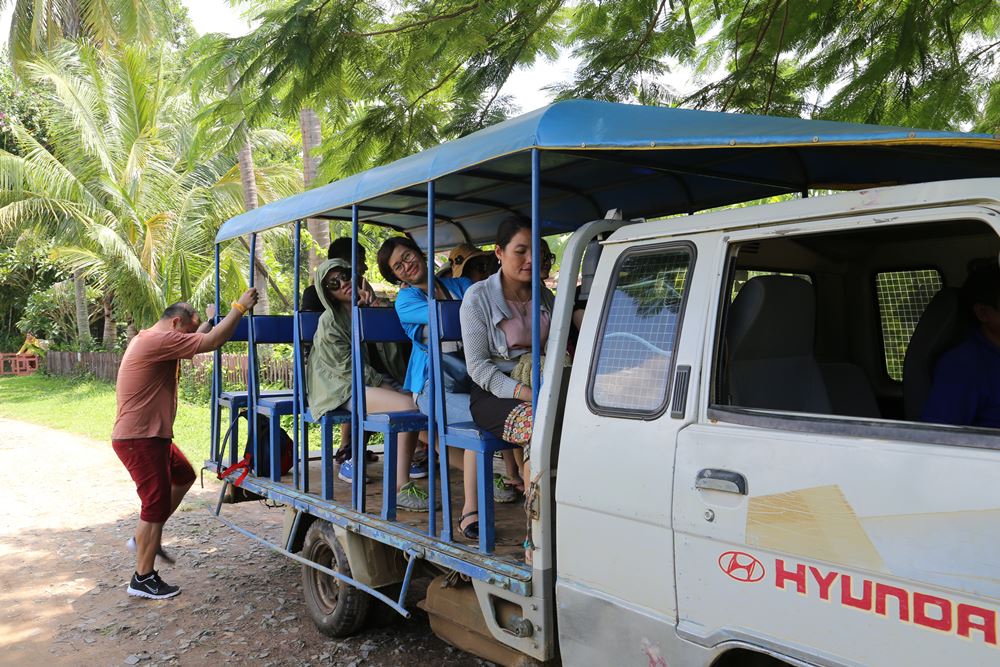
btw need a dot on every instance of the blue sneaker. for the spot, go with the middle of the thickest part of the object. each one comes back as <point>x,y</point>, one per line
<point>418,470</point>
<point>346,472</point>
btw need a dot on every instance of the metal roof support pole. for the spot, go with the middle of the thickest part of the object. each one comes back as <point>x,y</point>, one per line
<point>252,369</point>
<point>216,373</point>
<point>536,279</point>
<point>357,439</point>
<point>432,377</point>
<point>297,351</point>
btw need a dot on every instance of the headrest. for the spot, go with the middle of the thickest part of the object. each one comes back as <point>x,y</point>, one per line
<point>942,325</point>
<point>772,317</point>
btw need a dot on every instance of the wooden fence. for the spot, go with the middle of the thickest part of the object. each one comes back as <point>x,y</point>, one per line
<point>104,366</point>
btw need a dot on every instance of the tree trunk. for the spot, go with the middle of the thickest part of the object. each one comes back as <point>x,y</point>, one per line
<point>311,139</point>
<point>82,319</point>
<point>248,178</point>
<point>110,326</point>
<point>130,332</point>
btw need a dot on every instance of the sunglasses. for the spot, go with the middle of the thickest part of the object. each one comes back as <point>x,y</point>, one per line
<point>334,281</point>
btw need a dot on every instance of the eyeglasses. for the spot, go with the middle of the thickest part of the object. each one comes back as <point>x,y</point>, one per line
<point>548,258</point>
<point>408,258</point>
<point>334,281</point>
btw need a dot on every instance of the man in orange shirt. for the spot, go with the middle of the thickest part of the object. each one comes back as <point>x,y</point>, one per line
<point>143,431</point>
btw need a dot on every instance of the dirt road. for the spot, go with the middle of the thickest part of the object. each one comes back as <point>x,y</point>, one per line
<point>68,508</point>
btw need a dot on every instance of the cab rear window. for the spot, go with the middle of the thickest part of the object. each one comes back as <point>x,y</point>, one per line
<point>639,331</point>
<point>902,298</point>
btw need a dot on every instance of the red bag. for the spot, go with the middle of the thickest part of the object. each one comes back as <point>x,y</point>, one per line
<point>263,435</point>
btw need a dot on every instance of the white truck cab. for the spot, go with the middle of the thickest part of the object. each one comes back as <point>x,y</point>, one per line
<point>742,464</point>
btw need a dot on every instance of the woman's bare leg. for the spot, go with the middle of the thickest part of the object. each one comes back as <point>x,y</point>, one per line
<point>383,399</point>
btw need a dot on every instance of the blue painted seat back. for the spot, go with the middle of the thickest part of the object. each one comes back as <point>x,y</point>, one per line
<point>308,322</point>
<point>272,329</point>
<point>380,325</point>
<point>241,335</point>
<point>449,323</point>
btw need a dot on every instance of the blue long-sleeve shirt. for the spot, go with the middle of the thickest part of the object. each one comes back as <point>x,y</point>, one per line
<point>411,306</point>
<point>966,387</point>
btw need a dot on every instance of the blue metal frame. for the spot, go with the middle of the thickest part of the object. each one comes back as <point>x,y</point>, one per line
<point>396,605</point>
<point>253,387</point>
<point>381,325</point>
<point>216,372</point>
<point>296,352</point>
<point>432,415</point>
<point>445,327</point>
<point>453,555</point>
<point>536,281</point>
<point>357,437</point>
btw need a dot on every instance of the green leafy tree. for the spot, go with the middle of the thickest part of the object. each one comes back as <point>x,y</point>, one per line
<point>26,267</point>
<point>929,64</point>
<point>37,27</point>
<point>19,103</point>
<point>130,189</point>
<point>388,82</point>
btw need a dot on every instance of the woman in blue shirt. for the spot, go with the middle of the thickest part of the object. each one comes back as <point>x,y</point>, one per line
<point>400,260</point>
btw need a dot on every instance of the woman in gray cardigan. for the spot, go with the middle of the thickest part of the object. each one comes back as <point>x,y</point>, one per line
<point>496,331</point>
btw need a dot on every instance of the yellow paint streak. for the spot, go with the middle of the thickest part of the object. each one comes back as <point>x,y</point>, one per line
<point>814,523</point>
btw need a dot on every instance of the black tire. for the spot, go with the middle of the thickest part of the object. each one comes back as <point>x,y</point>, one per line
<point>381,615</point>
<point>337,609</point>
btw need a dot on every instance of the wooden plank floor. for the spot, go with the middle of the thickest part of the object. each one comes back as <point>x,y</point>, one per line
<point>511,523</point>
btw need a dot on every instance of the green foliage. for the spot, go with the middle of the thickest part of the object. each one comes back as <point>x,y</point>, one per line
<point>50,314</point>
<point>25,270</point>
<point>391,81</point>
<point>87,407</point>
<point>130,191</point>
<point>910,62</point>
<point>20,104</point>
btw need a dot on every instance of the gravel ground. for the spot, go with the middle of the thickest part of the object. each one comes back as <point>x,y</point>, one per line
<point>69,508</point>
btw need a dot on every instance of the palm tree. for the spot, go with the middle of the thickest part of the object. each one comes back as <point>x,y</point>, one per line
<point>38,27</point>
<point>132,191</point>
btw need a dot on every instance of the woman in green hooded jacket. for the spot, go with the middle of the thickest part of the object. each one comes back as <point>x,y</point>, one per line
<point>328,374</point>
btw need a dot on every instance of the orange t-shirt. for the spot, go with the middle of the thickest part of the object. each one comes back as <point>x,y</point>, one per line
<point>147,383</point>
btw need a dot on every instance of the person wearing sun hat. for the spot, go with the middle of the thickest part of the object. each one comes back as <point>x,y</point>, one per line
<point>470,262</point>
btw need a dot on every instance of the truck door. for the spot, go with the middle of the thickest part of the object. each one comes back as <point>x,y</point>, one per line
<point>627,399</point>
<point>832,539</point>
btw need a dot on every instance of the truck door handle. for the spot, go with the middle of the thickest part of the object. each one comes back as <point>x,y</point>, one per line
<point>713,479</point>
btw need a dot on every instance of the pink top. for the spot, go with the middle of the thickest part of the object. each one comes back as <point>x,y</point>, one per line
<point>517,329</point>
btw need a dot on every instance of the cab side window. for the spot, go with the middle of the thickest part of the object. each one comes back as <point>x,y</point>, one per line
<point>633,362</point>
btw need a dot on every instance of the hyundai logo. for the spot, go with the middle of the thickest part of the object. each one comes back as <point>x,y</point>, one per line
<point>741,566</point>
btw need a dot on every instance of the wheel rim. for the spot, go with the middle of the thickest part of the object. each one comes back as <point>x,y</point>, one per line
<point>327,588</point>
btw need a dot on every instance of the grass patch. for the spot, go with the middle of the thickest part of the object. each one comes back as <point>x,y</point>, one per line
<point>87,407</point>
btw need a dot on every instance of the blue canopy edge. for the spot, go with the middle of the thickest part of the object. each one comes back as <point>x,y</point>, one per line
<point>650,161</point>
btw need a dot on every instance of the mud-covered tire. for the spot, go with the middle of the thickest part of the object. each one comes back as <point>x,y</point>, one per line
<point>337,609</point>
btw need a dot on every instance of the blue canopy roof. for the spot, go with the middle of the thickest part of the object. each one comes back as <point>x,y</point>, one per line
<point>647,161</point>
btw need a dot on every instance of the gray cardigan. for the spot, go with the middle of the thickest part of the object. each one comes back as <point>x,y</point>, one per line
<point>486,353</point>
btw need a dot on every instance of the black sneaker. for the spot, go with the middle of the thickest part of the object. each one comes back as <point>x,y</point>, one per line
<point>152,587</point>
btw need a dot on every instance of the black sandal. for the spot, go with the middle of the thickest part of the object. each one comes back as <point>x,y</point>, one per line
<point>471,531</point>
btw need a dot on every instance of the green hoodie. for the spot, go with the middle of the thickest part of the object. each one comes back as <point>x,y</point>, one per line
<point>328,372</point>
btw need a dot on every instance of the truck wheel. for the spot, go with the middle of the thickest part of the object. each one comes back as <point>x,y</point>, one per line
<point>337,608</point>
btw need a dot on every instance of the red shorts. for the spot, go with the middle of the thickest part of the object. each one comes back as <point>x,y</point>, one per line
<point>155,465</point>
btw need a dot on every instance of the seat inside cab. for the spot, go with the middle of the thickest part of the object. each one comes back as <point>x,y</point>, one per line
<point>846,323</point>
